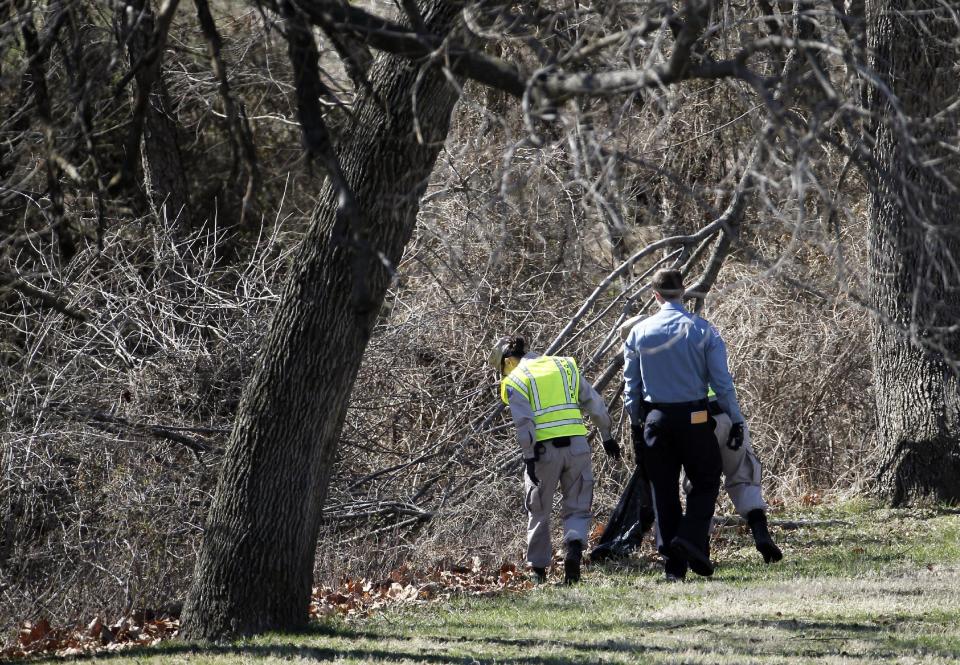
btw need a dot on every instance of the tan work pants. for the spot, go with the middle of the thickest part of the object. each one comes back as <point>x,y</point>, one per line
<point>570,468</point>
<point>741,471</point>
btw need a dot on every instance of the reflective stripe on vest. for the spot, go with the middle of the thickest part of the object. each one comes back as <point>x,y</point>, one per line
<point>516,385</point>
<point>551,385</point>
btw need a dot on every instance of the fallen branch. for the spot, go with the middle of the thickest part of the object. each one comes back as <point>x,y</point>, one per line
<point>174,434</point>
<point>47,299</point>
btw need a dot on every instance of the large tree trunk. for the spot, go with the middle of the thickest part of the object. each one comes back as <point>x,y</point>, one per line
<point>256,565</point>
<point>915,247</point>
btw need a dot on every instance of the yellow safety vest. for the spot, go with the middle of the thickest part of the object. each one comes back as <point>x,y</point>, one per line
<point>552,386</point>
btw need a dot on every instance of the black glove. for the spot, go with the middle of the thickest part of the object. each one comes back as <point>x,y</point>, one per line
<point>735,441</point>
<point>531,471</point>
<point>636,434</point>
<point>612,449</point>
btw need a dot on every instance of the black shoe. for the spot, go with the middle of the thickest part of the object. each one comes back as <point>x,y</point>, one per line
<point>571,562</point>
<point>671,577</point>
<point>538,575</point>
<point>699,562</point>
<point>757,519</point>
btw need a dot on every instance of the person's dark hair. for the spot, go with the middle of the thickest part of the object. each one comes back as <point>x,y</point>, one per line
<point>515,348</point>
<point>668,282</point>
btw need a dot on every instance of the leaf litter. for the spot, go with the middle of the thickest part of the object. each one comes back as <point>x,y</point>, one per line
<point>352,598</point>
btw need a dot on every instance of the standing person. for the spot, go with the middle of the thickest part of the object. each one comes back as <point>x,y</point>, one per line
<point>670,361</point>
<point>741,480</point>
<point>546,396</point>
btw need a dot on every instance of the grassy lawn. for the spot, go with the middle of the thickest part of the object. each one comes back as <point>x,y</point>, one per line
<point>858,585</point>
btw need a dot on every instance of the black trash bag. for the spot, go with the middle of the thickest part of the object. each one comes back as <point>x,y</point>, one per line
<point>631,518</point>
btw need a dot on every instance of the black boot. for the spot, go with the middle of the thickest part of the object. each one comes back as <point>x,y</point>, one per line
<point>538,575</point>
<point>757,519</point>
<point>675,570</point>
<point>683,550</point>
<point>571,562</point>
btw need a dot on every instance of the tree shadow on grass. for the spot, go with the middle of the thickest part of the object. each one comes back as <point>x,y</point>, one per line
<point>645,563</point>
<point>740,634</point>
<point>373,653</point>
<point>634,637</point>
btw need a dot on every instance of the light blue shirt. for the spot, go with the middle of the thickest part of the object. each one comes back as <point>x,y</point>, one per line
<point>673,356</point>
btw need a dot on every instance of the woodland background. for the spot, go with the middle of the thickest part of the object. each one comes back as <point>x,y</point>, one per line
<point>130,320</point>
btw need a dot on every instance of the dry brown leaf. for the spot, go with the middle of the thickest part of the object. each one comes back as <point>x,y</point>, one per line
<point>94,628</point>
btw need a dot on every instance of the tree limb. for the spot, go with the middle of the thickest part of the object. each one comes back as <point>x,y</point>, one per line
<point>17,283</point>
<point>241,137</point>
<point>350,228</point>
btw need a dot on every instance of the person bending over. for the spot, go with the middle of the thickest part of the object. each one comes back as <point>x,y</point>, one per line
<point>547,397</point>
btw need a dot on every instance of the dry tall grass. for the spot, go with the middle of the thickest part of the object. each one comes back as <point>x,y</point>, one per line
<point>113,427</point>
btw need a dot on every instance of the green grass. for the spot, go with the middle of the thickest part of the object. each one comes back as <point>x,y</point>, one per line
<point>858,585</point>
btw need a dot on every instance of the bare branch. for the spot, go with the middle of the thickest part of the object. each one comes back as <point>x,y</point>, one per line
<point>17,283</point>
<point>241,137</point>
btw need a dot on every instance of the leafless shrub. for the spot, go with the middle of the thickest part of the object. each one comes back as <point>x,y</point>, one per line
<point>115,423</point>
<point>103,493</point>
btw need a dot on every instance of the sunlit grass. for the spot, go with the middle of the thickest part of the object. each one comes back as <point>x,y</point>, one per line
<point>859,585</point>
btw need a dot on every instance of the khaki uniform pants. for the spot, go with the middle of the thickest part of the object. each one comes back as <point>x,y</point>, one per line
<point>741,471</point>
<point>570,468</point>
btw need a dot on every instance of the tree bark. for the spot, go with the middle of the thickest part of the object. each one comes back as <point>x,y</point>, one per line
<point>255,568</point>
<point>914,246</point>
<point>164,177</point>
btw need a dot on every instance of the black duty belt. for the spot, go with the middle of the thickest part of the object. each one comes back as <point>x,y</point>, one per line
<point>714,408</point>
<point>696,405</point>
<point>559,442</point>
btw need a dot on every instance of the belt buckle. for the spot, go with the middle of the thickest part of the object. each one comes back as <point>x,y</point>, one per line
<point>699,417</point>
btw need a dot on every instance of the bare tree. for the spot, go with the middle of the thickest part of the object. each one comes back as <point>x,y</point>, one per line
<point>153,130</point>
<point>915,249</point>
<point>256,566</point>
